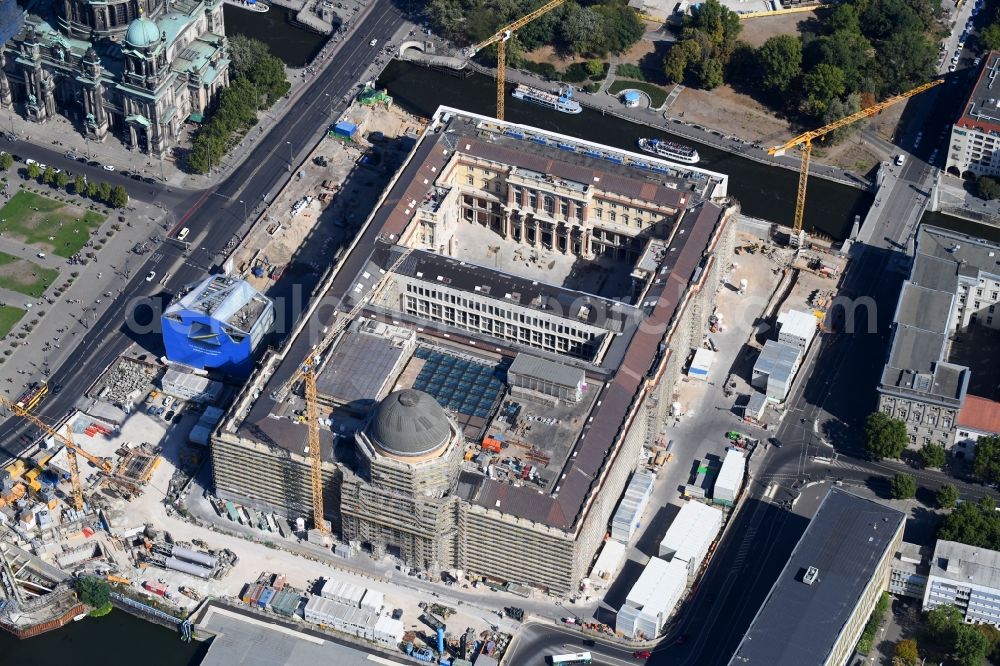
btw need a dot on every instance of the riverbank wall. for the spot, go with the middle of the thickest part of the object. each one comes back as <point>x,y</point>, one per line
<point>55,623</point>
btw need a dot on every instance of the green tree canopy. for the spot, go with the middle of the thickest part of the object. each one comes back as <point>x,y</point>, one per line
<point>886,436</point>
<point>104,192</point>
<point>933,455</point>
<point>821,86</point>
<point>721,24</point>
<point>944,622</point>
<point>971,646</point>
<point>989,38</point>
<point>6,161</point>
<point>779,63</point>
<point>973,523</point>
<point>844,18</point>
<point>34,171</point>
<point>62,180</point>
<point>80,186</point>
<point>987,459</point>
<point>903,486</point>
<point>48,175</point>
<point>119,197</point>
<point>244,53</point>
<point>907,653</point>
<point>947,495</point>
<point>988,188</point>
<point>92,190</point>
<point>93,591</point>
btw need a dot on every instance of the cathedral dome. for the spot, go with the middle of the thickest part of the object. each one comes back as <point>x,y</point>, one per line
<point>142,33</point>
<point>410,423</point>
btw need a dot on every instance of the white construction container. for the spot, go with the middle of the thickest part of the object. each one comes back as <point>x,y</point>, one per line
<point>702,363</point>
<point>688,538</point>
<point>652,599</point>
<point>629,513</point>
<point>797,328</point>
<point>730,479</point>
<point>608,561</point>
<point>354,621</point>
<point>373,601</point>
<point>343,592</point>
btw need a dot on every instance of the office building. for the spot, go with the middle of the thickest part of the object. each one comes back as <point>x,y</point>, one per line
<point>190,386</point>
<point>944,337</point>
<point>552,289</point>
<point>217,325</point>
<point>822,599</point>
<point>908,577</point>
<point>979,417</point>
<point>137,70</point>
<point>975,136</point>
<point>967,577</point>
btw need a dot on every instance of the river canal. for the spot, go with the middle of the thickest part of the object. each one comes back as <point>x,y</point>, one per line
<point>763,191</point>
<point>294,45</point>
<point>117,639</point>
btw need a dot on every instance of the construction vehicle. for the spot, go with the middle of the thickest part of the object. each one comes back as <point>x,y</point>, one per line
<point>500,38</point>
<point>118,579</point>
<point>804,141</point>
<point>190,593</point>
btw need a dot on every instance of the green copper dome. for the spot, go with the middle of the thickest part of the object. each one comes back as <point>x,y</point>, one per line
<point>142,33</point>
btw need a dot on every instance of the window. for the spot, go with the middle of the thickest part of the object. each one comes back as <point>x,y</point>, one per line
<point>550,205</point>
<point>470,179</point>
<point>613,216</point>
<point>532,200</point>
<point>564,209</point>
<point>625,220</point>
<point>597,213</point>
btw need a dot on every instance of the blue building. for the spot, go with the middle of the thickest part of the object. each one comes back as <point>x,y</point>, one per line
<point>217,325</point>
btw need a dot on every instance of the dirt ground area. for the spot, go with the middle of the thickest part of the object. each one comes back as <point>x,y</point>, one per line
<point>725,108</point>
<point>283,233</point>
<point>548,54</point>
<point>756,31</point>
<point>853,153</point>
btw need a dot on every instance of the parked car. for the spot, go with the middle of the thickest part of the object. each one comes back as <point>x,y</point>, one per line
<point>169,415</point>
<point>642,654</point>
<point>109,167</point>
<point>167,401</point>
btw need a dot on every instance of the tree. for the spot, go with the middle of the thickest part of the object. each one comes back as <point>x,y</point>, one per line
<point>720,23</point>
<point>933,455</point>
<point>243,53</point>
<point>779,62</point>
<point>595,69</point>
<point>974,524</point>
<point>62,180</point>
<point>582,31</point>
<point>838,109</point>
<point>104,191</point>
<point>6,161</point>
<point>92,190</point>
<point>93,591</point>
<point>944,622</point>
<point>987,461</point>
<point>34,171</point>
<point>821,86</point>
<point>680,55</point>
<point>989,188</point>
<point>886,436</point>
<point>906,652</point>
<point>48,175</point>
<point>844,19</point>
<point>989,38</point>
<point>119,197</point>
<point>903,486</point>
<point>971,646</point>
<point>80,186</point>
<point>947,495</point>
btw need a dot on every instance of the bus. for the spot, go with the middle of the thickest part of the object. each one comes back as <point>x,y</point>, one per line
<point>576,658</point>
<point>30,398</point>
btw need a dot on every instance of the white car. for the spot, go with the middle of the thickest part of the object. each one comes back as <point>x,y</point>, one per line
<point>150,276</point>
<point>109,167</point>
<point>183,233</point>
<point>900,159</point>
<point>373,42</point>
<point>167,402</point>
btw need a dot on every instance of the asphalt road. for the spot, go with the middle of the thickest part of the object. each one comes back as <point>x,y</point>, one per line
<point>213,215</point>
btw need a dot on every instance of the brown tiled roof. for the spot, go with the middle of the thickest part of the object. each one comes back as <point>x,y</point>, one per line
<point>980,414</point>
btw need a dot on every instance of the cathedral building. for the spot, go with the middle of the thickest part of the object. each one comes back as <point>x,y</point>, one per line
<point>137,69</point>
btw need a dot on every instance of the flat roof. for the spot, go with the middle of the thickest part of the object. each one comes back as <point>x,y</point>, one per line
<point>733,469</point>
<point>360,366</point>
<point>981,111</point>
<point>694,527</point>
<point>529,365</point>
<point>966,565</point>
<point>797,323</point>
<point>799,624</point>
<point>245,640</point>
<point>777,359</point>
<point>658,584</point>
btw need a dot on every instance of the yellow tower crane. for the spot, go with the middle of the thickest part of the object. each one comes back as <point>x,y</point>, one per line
<point>804,141</point>
<point>71,449</point>
<point>500,38</point>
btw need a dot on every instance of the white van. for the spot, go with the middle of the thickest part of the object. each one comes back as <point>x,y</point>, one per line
<point>183,233</point>
<point>900,159</point>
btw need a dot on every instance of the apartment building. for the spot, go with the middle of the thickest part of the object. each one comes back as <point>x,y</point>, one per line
<point>967,577</point>
<point>975,137</point>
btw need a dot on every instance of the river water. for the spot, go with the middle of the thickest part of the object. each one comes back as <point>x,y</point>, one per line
<point>763,191</point>
<point>294,45</point>
<point>117,639</point>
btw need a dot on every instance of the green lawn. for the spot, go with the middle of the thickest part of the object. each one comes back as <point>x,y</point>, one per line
<point>49,225</point>
<point>25,277</point>
<point>9,316</point>
<point>656,94</point>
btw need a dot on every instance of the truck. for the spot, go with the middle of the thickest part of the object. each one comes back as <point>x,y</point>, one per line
<point>159,589</point>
